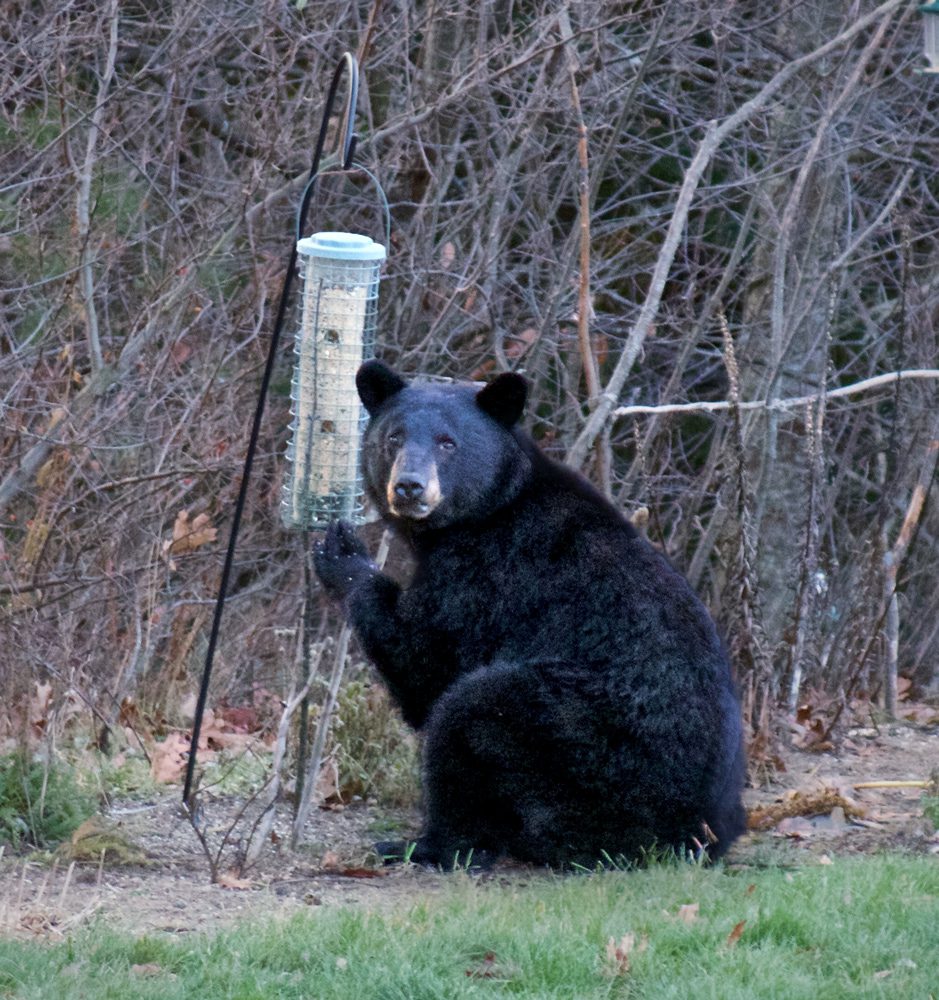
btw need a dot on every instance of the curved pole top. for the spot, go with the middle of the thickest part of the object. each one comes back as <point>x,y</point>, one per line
<point>345,144</point>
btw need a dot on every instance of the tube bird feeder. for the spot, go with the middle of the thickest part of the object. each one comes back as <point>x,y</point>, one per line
<point>930,12</point>
<point>339,272</point>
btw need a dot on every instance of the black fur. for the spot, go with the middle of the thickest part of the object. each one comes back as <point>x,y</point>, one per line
<point>573,694</point>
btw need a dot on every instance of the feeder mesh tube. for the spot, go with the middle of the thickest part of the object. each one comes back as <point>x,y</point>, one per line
<point>337,332</point>
<point>932,40</point>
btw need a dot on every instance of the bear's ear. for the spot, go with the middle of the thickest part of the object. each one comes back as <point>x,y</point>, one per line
<point>504,398</point>
<point>377,383</point>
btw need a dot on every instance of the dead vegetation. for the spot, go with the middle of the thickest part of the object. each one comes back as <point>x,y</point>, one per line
<point>559,206</point>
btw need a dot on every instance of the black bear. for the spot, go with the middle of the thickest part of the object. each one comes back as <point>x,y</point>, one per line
<point>574,698</point>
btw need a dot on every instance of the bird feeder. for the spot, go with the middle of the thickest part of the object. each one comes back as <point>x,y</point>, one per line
<point>339,272</point>
<point>930,12</point>
<point>337,332</point>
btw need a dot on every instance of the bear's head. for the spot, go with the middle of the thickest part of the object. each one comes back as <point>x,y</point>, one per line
<point>439,454</point>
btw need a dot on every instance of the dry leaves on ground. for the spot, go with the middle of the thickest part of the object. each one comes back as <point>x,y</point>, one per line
<point>619,953</point>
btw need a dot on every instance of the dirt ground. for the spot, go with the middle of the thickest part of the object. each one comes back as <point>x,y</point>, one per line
<point>167,889</point>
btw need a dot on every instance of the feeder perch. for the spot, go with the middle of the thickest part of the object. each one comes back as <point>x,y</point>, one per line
<point>339,299</point>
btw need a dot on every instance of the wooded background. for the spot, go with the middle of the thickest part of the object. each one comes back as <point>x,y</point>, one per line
<point>635,204</point>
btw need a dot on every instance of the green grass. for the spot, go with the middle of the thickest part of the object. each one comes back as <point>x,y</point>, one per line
<point>931,809</point>
<point>40,805</point>
<point>857,928</point>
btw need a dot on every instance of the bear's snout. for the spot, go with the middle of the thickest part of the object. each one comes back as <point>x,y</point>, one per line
<point>413,488</point>
<point>409,488</point>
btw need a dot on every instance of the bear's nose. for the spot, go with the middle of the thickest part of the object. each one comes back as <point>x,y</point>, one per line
<point>409,488</point>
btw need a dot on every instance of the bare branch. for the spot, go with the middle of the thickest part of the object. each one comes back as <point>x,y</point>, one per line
<point>795,402</point>
<point>84,195</point>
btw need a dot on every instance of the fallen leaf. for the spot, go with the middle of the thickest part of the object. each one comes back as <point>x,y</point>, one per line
<point>146,969</point>
<point>734,936</point>
<point>489,967</point>
<point>168,759</point>
<point>229,880</point>
<point>485,969</point>
<point>795,827</point>
<point>219,738</point>
<point>921,715</point>
<point>518,344</point>
<point>188,535</point>
<point>811,722</point>
<point>39,924</point>
<point>365,872</point>
<point>327,781</point>
<point>330,861</point>
<point>619,954</point>
<point>242,720</point>
<point>39,706</point>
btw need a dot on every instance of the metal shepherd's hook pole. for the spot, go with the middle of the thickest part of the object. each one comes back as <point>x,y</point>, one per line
<point>345,150</point>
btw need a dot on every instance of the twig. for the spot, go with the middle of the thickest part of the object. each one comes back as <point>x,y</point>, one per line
<point>365,44</point>
<point>19,895</point>
<point>308,669</point>
<point>893,558</point>
<point>66,883</point>
<point>83,198</point>
<point>814,421</point>
<point>893,784</point>
<point>45,882</point>
<point>584,305</point>
<point>794,402</point>
<point>839,262</point>
<point>749,643</point>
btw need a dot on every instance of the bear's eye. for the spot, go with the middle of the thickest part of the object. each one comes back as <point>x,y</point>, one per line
<point>395,438</point>
<point>445,443</point>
